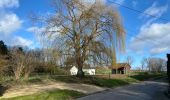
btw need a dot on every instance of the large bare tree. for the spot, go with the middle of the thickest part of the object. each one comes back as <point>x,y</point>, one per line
<point>88,32</point>
<point>156,64</point>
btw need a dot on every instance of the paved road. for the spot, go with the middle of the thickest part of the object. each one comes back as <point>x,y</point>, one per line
<point>148,90</point>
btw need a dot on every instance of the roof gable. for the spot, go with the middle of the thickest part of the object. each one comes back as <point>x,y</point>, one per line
<point>120,65</point>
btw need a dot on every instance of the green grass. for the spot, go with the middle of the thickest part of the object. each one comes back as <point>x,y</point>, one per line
<point>146,76</point>
<point>69,94</point>
<point>50,95</point>
<point>94,80</point>
<point>103,71</point>
<point>110,82</point>
<point>103,82</point>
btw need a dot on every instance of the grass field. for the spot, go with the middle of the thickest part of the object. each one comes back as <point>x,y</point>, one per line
<point>101,80</point>
<point>103,71</point>
<point>50,95</point>
<point>142,76</point>
<point>109,82</point>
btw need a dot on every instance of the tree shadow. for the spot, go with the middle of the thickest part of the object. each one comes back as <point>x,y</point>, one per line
<point>3,89</point>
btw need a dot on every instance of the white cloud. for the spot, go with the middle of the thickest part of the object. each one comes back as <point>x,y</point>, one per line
<point>41,34</point>
<point>155,39</point>
<point>38,33</point>
<point>36,29</point>
<point>155,10</point>
<point>9,22</point>
<point>120,1</point>
<point>159,50</point>
<point>9,3</point>
<point>20,41</point>
<point>89,3</point>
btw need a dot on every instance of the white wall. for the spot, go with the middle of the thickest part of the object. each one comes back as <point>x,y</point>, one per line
<point>74,70</point>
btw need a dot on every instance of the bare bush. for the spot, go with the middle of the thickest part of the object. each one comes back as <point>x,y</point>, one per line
<point>23,62</point>
<point>31,63</point>
<point>17,62</point>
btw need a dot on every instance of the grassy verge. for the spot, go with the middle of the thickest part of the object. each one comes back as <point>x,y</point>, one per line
<point>103,71</point>
<point>112,82</point>
<point>68,94</point>
<point>93,80</point>
<point>50,95</point>
<point>142,76</point>
<point>103,82</point>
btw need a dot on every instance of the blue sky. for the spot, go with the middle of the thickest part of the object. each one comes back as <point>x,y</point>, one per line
<point>146,36</point>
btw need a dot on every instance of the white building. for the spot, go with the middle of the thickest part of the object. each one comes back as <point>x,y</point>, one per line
<point>74,70</point>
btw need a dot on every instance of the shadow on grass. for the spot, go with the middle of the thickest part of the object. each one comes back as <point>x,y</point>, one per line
<point>148,76</point>
<point>92,80</point>
<point>110,82</point>
<point>3,89</point>
<point>35,80</point>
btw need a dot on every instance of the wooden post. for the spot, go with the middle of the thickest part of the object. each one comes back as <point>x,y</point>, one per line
<point>109,75</point>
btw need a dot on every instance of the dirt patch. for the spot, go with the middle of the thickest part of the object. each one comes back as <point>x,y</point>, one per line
<point>31,89</point>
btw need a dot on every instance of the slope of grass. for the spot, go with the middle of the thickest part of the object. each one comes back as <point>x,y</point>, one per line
<point>103,82</point>
<point>110,82</point>
<point>50,95</point>
<point>142,76</point>
<point>69,94</point>
<point>103,71</point>
<point>94,80</point>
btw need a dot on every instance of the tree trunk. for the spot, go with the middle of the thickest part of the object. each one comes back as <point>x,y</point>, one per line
<point>26,75</point>
<point>80,73</point>
<point>80,54</point>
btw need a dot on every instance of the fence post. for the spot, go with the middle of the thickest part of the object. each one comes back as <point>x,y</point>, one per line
<point>109,75</point>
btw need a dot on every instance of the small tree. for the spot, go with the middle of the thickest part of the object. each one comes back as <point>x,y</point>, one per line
<point>144,63</point>
<point>17,61</point>
<point>129,60</point>
<point>4,63</point>
<point>31,63</point>
<point>23,62</point>
<point>3,48</point>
